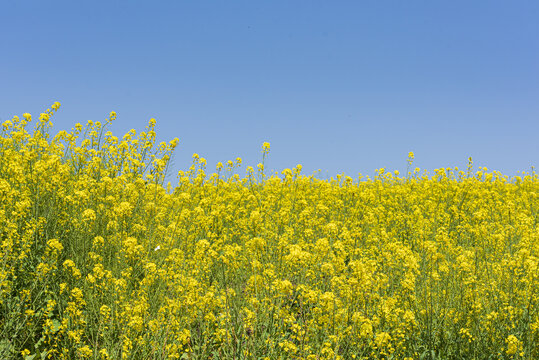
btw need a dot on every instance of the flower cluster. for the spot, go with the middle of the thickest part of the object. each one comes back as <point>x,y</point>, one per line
<point>101,260</point>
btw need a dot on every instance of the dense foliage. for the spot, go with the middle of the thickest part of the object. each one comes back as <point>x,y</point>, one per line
<point>101,261</point>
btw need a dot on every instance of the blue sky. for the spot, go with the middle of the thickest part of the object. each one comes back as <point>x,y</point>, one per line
<point>341,86</point>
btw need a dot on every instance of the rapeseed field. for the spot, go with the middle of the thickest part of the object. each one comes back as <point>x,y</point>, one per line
<point>102,260</point>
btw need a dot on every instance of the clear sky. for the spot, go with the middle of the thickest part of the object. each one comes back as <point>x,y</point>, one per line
<point>341,86</point>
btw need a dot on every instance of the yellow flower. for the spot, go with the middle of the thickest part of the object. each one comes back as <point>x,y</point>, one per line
<point>88,215</point>
<point>104,355</point>
<point>513,345</point>
<point>25,352</point>
<point>382,339</point>
<point>85,352</point>
<point>362,262</point>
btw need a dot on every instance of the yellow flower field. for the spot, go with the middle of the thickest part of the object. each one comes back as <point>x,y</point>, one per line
<point>100,260</point>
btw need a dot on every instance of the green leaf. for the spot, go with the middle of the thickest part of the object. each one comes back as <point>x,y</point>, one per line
<point>40,341</point>
<point>5,347</point>
<point>55,325</point>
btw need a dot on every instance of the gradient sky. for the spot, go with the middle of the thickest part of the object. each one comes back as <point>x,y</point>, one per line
<point>341,86</point>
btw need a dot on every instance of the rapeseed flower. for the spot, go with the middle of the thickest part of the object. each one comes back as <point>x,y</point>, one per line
<point>103,260</point>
